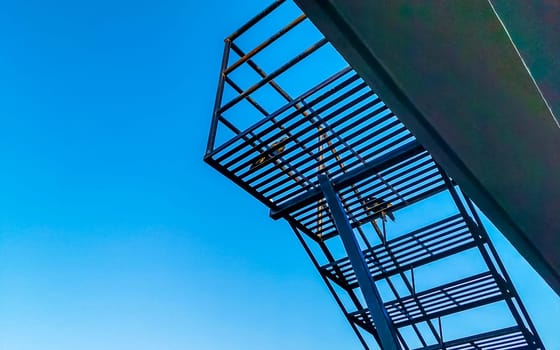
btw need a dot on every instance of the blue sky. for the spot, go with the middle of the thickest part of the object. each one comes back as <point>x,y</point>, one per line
<point>113,232</point>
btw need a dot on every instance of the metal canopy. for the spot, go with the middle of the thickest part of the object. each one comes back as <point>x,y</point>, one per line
<point>300,115</point>
<point>451,73</point>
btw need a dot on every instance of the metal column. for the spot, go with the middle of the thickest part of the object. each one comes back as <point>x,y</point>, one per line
<point>374,302</point>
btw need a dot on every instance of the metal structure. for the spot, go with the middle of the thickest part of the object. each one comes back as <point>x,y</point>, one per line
<point>338,165</point>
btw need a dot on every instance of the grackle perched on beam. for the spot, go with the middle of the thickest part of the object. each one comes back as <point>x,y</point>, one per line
<point>276,149</point>
<point>378,205</point>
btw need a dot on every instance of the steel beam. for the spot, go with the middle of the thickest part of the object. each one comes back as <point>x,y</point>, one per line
<point>383,324</point>
<point>218,102</point>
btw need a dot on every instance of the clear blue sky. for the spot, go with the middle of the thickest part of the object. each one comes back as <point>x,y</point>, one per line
<point>113,233</point>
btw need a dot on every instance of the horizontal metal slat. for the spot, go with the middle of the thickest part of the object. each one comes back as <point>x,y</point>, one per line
<point>450,298</point>
<point>413,249</point>
<point>502,339</point>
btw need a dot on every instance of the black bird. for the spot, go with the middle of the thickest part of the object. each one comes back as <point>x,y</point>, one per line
<point>378,205</point>
<point>276,149</point>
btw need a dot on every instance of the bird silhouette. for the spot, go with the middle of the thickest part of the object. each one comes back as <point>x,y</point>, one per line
<point>276,149</point>
<point>378,205</point>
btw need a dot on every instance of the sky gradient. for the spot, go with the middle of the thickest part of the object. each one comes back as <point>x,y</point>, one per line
<point>113,232</point>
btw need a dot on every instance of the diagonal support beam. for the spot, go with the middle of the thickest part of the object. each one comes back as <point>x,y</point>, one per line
<point>383,323</point>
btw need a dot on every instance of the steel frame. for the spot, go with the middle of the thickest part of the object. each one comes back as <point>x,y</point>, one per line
<point>317,159</point>
<point>374,302</point>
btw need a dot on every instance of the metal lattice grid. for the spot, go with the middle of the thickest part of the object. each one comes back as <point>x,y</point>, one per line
<point>275,144</point>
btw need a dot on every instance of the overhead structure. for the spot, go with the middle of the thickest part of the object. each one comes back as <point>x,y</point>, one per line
<point>399,245</point>
<point>478,83</point>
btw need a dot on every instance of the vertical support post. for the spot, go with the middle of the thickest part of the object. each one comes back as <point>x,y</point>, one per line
<point>413,281</point>
<point>383,323</point>
<point>384,228</point>
<point>218,101</point>
<point>440,330</point>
